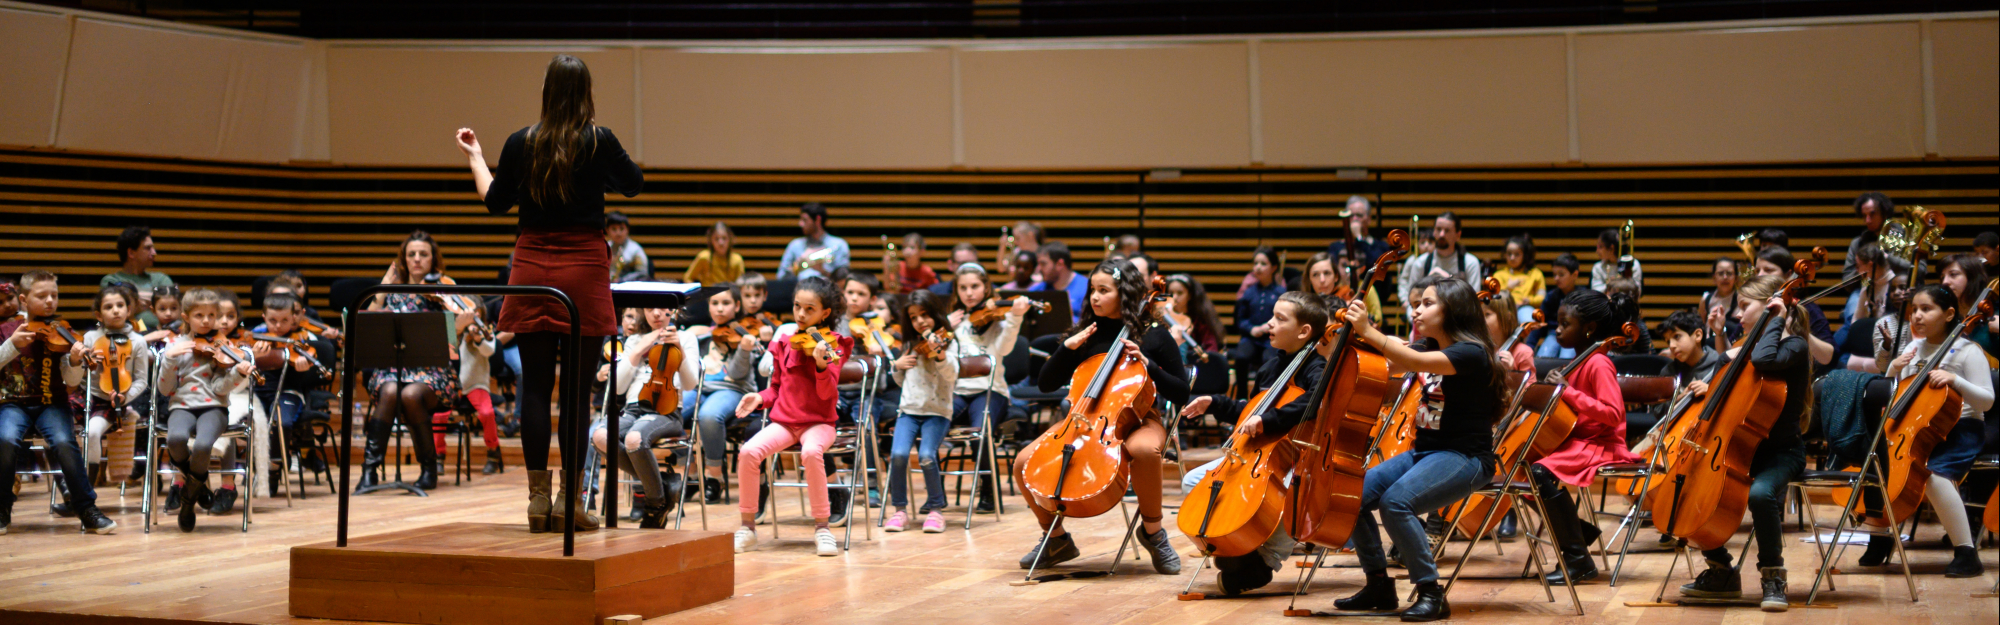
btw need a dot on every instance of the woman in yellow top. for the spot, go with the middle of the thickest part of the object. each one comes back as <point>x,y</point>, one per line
<point>1521,277</point>
<point>706,269</point>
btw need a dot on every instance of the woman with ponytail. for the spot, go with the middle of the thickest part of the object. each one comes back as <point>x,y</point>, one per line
<point>557,171</point>
<point>1598,439</point>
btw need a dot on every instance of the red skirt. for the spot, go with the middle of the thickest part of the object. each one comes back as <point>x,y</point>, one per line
<point>578,263</point>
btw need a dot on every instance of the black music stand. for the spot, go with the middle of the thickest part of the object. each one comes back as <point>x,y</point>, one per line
<point>415,340</point>
<point>669,295</point>
<point>1055,321</point>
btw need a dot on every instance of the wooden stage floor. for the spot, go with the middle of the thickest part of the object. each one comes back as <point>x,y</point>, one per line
<point>49,573</point>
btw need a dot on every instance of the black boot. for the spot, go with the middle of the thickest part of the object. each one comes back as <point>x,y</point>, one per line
<point>373,452</point>
<point>1235,575</point>
<point>174,495</point>
<point>61,506</point>
<point>983,496</point>
<point>1582,568</point>
<point>427,457</point>
<point>836,499</point>
<point>711,490</point>
<point>1964,563</point>
<point>655,511</point>
<point>1429,606</point>
<point>493,463</point>
<point>196,489</point>
<point>1509,529</point>
<point>1378,595</point>
<point>1879,549</point>
<point>1059,550</point>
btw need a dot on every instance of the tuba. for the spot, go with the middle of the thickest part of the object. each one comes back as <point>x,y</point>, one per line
<point>1913,233</point>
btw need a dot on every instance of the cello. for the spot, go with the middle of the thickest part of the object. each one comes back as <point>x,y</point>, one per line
<point>1537,433</point>
<point>1238,504</point>
<point>1920,418</point>
<point>1709,471</point>
<point>1338,429</point>
<point>1078,468</point>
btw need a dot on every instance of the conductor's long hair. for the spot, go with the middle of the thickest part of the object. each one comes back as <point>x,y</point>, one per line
<point>558,142</point>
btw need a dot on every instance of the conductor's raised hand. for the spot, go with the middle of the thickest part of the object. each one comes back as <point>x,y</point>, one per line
<point>468,143</point>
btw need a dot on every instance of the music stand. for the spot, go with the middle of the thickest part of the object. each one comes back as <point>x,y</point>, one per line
<point>1056,320</point>
<point>415,340</point>
<point>669,295</point>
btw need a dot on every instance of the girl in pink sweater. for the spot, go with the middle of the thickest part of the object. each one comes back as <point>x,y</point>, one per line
<point>804,385</point>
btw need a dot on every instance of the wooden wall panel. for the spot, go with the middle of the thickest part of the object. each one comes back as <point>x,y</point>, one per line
<point>1751,95</point>
<point>31,57</point>
<point>142,90</point>
<point>1966,57</point>
<point>1417,101</point>
<point>1136,106</point>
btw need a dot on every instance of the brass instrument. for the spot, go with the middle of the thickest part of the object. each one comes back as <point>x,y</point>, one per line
<point>1626,261</point>
<point>1914,232</point>
<point>1110,246</point>
<point>810,258</point>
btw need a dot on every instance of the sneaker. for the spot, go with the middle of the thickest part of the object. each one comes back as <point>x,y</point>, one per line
<point>837,503</point>
<point>94,521</point>
<point>934,523</point>
<point>225,501</point>
<point>1239,574</point>
<point>745,539</point>
<point>173,499</point>
<point>828,547</point>
<point>1718,582</point>
<point>1774,590</point>
<point>1166,561</point>
<point>896,521</point>
<point>1059,550</point>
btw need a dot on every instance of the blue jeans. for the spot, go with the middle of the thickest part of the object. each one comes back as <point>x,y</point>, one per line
<point>908,428</point>
<point>1403,488</point>
<point>717,410</point>
<point>58,429</point>
<point>512,355</point>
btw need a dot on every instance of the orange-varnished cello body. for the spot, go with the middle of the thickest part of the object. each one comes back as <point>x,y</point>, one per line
<point>1707,480</point>
<point>1240,503</point>
<point>1341,419</point>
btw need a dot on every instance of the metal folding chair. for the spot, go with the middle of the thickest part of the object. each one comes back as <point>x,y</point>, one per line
<point>856,442</point>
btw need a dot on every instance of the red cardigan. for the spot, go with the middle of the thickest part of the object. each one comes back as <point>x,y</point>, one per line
<point>799,393</point>
<point>1599,437</point>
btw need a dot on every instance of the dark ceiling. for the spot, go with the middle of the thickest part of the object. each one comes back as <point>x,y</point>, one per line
<point>722,19</point>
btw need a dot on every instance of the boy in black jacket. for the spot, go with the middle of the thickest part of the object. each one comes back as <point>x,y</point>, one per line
<point>1298,321</point>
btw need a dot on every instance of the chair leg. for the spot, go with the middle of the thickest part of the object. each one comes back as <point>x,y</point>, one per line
<point>1562,564</point>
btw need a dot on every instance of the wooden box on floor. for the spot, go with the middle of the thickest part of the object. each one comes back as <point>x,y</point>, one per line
<point>488,574</point>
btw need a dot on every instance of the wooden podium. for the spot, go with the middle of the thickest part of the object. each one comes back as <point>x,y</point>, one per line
<point>489,574</point>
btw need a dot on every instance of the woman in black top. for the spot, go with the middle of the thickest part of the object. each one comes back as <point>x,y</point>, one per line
<point>557,171</point>
<point>1453,455</point>
<point>1118,298</point>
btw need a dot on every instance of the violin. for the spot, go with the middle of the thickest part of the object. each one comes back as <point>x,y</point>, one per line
<point>300,347</point>
<point>225,353</point>
<point>809,339</point>
<point>113,353</point>
<point>1537,433</point>
<point>1078,467</point>
<point>1708,477</point>
<point>1239,503</point>
<point>733,333</point>
<point>871,328</point>
<point>1921,417</point>
<point>660,390</point>
<point>1338,432</point>
<point>53,333</point>
<point>935,343</point>
<point>996,310</point>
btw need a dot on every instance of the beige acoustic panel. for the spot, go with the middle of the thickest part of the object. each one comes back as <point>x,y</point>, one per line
<point>1392,102</point>
<point>799,110</point>
<point>1965,61</point>
<point>400,106</point>
<point>1144,106</point>
<point>143,90</point>
<point>1756,94</point>
<point>31,56</point>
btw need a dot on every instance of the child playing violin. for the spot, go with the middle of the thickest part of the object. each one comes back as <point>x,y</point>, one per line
<point>642,423</point>
<point>755,293</point>
<point>113,337</point>
<point>300,372</point>
<point>35,381</point>
<point>1117,299</point>
<point>976,399</point>
<point>1453,454</point>
<point>1297,322</point>
<point>1934,311</point>
<point>1500,324</point>
<point>728,351</point>
<point>166,308</point>
<point>1591,391</point>
<point>1781,353</point>
<point>801,397</point>
<point>197,372</point>
<point>927,371</point>
<point>476,345</point>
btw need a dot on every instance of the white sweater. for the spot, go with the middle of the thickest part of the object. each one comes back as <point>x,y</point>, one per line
<point>997,341</point>
<point>1968,362</point>
<point>927,386</point>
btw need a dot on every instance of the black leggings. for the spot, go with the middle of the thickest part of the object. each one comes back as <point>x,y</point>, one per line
<point>540,352</point>
<point>413,403</point>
